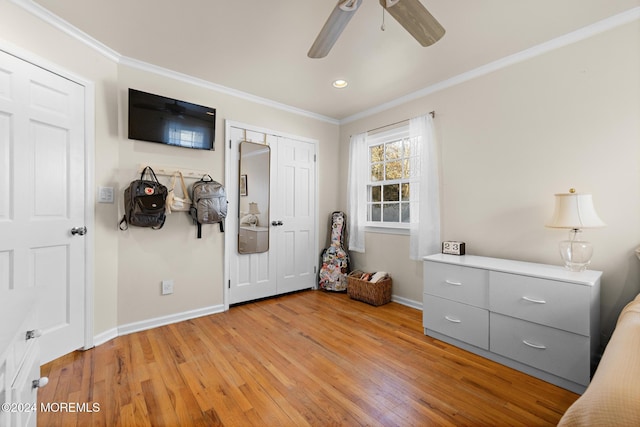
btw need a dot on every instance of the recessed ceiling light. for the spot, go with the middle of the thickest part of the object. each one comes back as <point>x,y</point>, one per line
<point>340,83</point>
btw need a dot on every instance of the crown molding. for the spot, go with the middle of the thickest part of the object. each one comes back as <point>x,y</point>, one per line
<point>205,84</point>
<point>64,26</point>
<point>565,40</point>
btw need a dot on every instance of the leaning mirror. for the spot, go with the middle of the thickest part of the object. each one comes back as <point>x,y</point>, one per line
<point>253,233</point>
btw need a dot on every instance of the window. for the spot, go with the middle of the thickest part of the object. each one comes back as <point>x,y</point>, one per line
<point>389,193</point>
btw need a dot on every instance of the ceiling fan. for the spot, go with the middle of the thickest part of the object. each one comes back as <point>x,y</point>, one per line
<point>411,14</point>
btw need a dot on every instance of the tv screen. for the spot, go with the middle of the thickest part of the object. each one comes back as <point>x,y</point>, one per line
<point>156,118</point>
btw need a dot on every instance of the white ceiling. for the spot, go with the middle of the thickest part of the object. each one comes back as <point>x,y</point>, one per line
<point>260,46</point>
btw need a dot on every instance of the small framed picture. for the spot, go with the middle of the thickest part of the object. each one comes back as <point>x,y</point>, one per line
<point>243,185</point>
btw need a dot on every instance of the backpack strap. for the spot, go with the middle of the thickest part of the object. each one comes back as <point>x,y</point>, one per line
<point>122,222</point>
<point>185,192</point>
<point>152,174</point>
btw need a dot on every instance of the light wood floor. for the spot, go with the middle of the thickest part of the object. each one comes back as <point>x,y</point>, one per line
<point>310,358</point>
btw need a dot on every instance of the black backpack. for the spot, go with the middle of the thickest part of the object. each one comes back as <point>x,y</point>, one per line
<point>144,202</point>
<point>209,203</point>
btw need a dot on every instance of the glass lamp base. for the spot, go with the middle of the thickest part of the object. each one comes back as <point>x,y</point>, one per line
<point>576,253</point>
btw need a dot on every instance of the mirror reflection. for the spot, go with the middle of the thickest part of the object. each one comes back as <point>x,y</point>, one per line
<point>253,233</point>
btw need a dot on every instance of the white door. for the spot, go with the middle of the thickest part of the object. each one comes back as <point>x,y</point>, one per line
<point>42,198</point>
<point>289,264</point>
<point>293,204</point>
<point>251,276</point>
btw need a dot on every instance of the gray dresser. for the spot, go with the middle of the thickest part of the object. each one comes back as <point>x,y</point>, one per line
<point>539,319</point>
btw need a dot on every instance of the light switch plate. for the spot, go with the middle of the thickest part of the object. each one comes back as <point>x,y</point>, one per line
<point>105,194</point>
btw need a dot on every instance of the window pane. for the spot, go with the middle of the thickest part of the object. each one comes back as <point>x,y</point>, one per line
<point>375,212</point>
<point>407,169</point>
<point>391,193</point>
<point>407,147</point>
<point>376,172</point>
<point>393,170</point>
<point>405,192</point>
<point>405,212</point>
<point>393,150</point>
<point>375,153</point>
<point>376,193</point>
<point>391,212</point>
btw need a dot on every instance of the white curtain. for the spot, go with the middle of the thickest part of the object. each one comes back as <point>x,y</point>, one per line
<point>425,215</point>
<point>356,194</point>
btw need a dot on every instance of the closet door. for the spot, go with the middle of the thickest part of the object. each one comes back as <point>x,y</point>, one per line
<point>290,262</point>
<point>293,204</point>
<point>251,276</point>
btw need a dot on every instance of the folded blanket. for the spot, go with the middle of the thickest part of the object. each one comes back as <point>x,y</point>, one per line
<point>613,396</point>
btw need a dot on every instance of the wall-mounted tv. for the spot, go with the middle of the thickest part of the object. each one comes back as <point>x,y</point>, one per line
<point>169,121</point>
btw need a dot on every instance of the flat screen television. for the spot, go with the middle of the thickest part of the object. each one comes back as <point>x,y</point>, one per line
<point>169,121</point>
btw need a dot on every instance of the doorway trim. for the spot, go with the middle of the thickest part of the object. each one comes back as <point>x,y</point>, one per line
<point>89,169</point>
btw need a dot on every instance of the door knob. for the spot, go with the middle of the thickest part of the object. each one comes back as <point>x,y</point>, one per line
<point>276,223</point>
<point>80,231</point>
<point>34,333</point>
<point>41,382</point>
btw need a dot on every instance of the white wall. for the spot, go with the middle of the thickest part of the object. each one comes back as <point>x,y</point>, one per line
<point>129,266</point>
<point>146,257</point>
<point>511,139</point>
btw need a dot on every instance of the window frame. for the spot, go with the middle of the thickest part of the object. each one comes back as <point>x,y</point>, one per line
<point>397,133</point>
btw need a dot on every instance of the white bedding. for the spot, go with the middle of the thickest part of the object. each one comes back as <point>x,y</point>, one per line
<point>613,396</point>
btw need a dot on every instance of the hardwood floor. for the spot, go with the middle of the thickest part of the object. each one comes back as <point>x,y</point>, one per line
<point>309,358</point>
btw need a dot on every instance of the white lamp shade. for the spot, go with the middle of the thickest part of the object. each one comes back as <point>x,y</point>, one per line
<point>574,211</point>
<point>253,208</point>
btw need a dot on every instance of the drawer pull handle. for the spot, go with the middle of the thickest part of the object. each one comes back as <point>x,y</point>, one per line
<point>537,301</point>
<point>451,319</point>
<point>452,283</point>
<point>540,346</point>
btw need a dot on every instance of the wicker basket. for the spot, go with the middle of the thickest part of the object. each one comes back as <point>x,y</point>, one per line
<point>377,293</point>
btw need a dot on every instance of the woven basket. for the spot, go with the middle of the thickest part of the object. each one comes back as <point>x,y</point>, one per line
<point>378,293</point>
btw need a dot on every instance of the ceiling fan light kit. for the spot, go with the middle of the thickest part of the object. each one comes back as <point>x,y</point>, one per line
<point>411,14</point>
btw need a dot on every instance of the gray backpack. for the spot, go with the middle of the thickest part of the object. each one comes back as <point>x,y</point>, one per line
<point>209,203</point>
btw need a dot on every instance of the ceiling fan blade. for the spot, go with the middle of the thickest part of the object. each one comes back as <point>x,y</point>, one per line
<point>334,26</point>
<point>416,19</point>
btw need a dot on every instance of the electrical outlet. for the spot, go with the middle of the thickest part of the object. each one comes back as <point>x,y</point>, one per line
<point>167,287</point>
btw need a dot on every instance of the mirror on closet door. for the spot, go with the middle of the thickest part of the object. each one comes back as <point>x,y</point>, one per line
<point>253,235</point>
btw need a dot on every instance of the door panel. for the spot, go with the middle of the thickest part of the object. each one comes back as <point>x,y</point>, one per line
<point>289,264</point>
<point>42,185</point>
<point>251,276</point>
<point>294,204</point>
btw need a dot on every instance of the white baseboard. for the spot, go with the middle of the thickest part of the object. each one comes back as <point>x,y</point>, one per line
<point>105,336</point>
<point>155,322</point>
<point>130,328</point>
<point>408,302</point>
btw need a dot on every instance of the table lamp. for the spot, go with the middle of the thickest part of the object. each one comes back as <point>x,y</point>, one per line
<point>575,211</point>
<point>254,212</point>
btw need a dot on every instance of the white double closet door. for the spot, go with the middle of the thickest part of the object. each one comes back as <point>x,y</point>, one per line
<point>290,263</point>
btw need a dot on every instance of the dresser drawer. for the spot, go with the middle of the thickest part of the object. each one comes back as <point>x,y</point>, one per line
<point>4,388</point>
<point>557,304</point>
<point>561,353</point>
<point>460,321</point>
<point>20,342</point>
<point>22,391</point>
<point>457,283</point>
